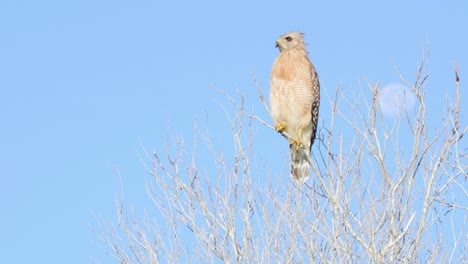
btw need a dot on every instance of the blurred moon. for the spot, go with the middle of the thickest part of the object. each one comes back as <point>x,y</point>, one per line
<point>395,99</point>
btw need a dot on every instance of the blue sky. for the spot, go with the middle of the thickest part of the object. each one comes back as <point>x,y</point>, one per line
<point>85,84</point>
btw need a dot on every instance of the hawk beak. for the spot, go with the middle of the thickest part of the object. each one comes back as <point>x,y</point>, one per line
<point>278,43</point>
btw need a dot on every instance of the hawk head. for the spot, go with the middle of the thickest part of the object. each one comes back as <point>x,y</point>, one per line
<point>290,40</point>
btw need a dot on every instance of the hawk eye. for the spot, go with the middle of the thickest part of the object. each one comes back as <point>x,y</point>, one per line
<point>288,39</point>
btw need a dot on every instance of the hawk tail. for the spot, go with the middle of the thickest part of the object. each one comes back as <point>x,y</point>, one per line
<point>299,164</point>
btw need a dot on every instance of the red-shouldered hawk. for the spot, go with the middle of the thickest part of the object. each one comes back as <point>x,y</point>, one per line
<point>295,100</point>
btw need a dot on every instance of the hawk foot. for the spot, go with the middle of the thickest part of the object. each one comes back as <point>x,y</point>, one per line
<point>280,127</point>
<point>297,143</point>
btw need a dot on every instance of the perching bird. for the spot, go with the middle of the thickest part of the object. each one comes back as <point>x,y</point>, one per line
<point>295,100</point>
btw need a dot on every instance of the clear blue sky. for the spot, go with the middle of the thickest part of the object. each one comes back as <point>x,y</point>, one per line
<point>84,84</point>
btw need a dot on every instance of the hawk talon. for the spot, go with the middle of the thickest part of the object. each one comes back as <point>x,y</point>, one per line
<point>280,127</point>
<point>297,143</point>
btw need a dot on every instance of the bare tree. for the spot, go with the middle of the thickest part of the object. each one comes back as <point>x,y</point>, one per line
<point>382,192</point>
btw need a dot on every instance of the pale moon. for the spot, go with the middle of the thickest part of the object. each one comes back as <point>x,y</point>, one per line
<point>395,99</point>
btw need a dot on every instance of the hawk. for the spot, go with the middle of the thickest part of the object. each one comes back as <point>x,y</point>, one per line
<point>295,100</point>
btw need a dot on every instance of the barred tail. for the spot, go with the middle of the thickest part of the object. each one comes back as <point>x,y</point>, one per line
<point>299,164</point>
